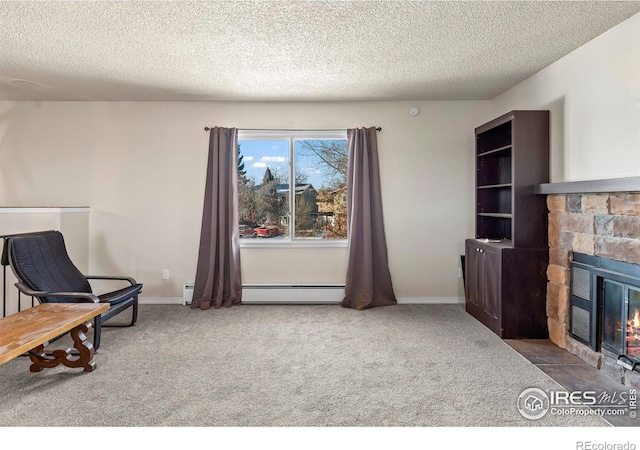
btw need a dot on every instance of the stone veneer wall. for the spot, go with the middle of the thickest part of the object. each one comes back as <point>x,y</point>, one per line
<point>605,225</point>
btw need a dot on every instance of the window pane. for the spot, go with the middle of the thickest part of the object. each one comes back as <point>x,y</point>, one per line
<point>320,188</point>
<point>263,185</point>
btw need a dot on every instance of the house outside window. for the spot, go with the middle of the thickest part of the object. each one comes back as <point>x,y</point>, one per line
<point>292,187</point>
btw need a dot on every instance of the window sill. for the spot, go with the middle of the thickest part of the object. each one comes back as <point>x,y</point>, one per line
<point>278,243</point>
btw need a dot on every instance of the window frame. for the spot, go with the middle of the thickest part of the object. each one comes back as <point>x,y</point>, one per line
<point>291,136</point>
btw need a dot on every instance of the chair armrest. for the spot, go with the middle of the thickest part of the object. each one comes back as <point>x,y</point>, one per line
<point>84,297</point>
<point>100,277</point>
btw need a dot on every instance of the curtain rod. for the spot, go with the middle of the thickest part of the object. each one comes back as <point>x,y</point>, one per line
<point>279,129</point>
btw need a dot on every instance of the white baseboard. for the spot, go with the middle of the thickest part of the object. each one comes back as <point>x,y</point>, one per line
<point>294,294</point>
<point>401,301</point>
<point>430,300</point>
<point>160,300</point>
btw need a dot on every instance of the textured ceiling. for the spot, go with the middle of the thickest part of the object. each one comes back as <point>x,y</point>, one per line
<point>287,50</point>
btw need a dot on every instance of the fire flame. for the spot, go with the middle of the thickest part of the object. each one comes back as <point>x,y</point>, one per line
<point>633,332</point>
<point>635,321</point>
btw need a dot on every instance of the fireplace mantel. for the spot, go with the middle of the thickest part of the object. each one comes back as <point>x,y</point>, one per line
<point>630,184</point>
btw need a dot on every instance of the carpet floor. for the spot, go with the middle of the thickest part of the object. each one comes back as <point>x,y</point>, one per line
<point>286,366</point>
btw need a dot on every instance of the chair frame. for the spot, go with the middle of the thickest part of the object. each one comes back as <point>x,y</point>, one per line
<point>84,297</point>
<point>99,320</point>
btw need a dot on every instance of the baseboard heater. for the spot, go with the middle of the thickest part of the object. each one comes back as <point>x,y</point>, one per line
<point>187,293</point>
<point>282,294</point>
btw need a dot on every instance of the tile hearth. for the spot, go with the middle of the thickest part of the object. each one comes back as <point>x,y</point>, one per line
<point>570,372</point>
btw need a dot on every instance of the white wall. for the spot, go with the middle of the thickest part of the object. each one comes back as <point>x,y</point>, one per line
<point>141,166</point>
<point>594,98</point>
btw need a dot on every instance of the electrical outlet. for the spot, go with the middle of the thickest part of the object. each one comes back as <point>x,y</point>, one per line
<point>165,274</point>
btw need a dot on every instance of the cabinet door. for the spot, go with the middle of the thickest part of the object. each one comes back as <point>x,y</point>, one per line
<point>484,284</point>
<point>492,282</point>
<point>473,270</point>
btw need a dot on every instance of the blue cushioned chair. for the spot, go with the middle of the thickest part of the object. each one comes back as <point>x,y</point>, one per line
<point>45,271</point>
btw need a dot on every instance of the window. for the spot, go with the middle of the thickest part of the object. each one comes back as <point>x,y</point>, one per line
<point>292,186</point>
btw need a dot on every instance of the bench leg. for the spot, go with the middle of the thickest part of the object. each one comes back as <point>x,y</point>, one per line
<point>41,360</point>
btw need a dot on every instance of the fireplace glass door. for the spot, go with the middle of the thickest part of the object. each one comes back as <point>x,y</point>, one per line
<point>612,319</point>
<point>605,307</point>
<point>621,318</point>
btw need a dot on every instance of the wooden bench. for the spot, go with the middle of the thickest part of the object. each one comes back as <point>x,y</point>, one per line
<point>29,331</point>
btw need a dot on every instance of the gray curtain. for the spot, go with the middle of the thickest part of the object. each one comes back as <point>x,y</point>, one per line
<point>218,281</point>
<point>368,282</point>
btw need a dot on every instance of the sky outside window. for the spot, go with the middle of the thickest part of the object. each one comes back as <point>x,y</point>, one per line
<point>304,203</point>
<point>274,154</point>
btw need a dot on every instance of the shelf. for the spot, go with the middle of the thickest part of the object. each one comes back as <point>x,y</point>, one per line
<point>631,184</point>
<point>495,186</point>
<point>495,150</point>
<point>504,243</point>
<point>43,209</point>
<point>499,215</point>
<point>494,169</point>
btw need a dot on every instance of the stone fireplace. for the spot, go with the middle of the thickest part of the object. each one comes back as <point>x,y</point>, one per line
<point>596,228</point>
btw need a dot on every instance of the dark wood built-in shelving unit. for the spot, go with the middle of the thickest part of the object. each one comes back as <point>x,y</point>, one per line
<point>506,263</point>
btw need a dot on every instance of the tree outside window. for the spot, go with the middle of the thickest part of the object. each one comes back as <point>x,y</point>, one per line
<point>317,166</point>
